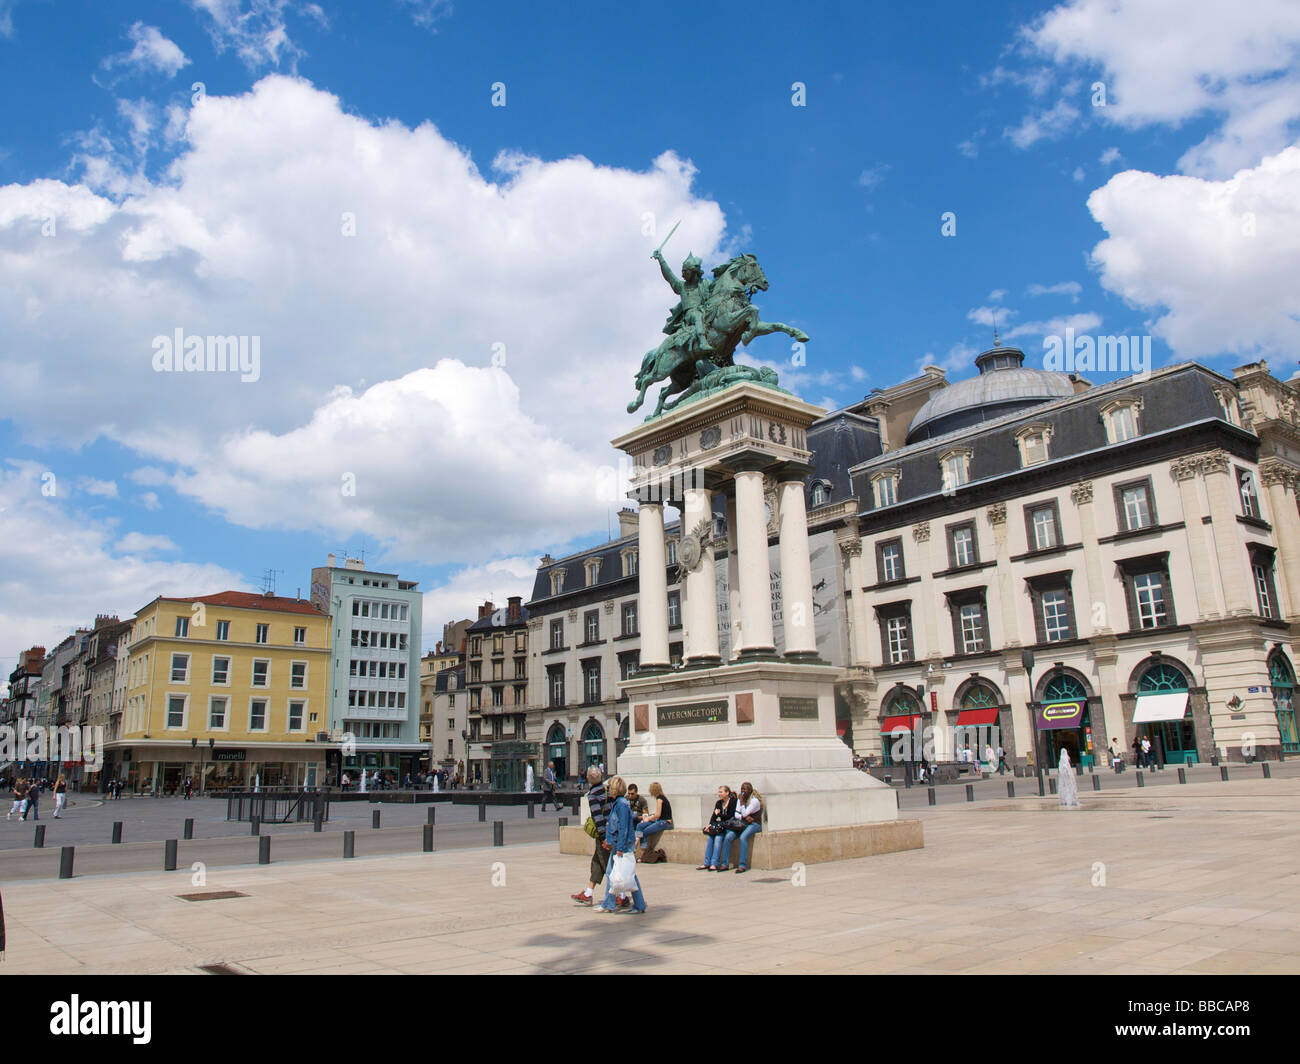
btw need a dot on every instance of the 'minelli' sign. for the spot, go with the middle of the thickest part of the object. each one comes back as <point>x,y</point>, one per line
<point>229,755</point>
<point>693,713</point>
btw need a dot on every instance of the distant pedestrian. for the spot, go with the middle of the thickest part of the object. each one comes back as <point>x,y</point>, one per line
<point>60,796</point>
<point>1147,759</point>
<point>33,801</point>
<point>548,787</point>
<point>990,758</point>
<point>1002,761</point>
<point>20,799</point>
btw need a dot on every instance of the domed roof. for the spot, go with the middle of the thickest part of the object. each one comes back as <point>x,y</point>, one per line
<point>1002,386</point>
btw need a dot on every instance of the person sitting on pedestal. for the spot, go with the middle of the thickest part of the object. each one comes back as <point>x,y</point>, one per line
<point>653,823</point>
<point>747,823</point>
<point>723,810</point>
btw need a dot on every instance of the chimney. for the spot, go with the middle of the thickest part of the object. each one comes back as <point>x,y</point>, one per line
<point>515,611</point>
<point>329,561</point>
<point>486,610</point>
<point>627,522</point>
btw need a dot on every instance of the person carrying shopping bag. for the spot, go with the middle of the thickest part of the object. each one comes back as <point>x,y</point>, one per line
<point>621,836</point>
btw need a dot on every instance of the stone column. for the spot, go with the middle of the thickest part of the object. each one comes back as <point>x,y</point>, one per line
<point>1234,562</point>
<point>733,579</point>
<point>652,574</point>
<point>1281,484</point>
<point>755,572</point>
<point>700,589</point>
<point>796,574</point>
<point>1096,589</point>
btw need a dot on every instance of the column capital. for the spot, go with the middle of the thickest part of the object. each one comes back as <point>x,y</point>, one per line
<point>921,531</point>
<point>1081,492</point>
<point>997,513</point>
<point>851,548</point>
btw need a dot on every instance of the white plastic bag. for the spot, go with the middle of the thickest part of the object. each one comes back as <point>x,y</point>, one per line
<point>622,872</point>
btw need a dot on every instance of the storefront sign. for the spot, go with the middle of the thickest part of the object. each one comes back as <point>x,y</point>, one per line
<point>798,709</point>
<point>1053,715</point>
<point>693,713</point>
<point>513,749</point>
<point>229,755</point>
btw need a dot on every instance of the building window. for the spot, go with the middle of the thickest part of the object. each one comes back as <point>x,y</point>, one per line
<point>1246,488</point>
<point>498,696</point>
<point>521,694</point>
<point>557,634</point>
<point>1043,526</point>
<point>1149,600</point>
<point>257,714</point>
<point>475,672</point>
<point>889,561</point>
<point>521,642</point>
<point>591,682</point>
<point>674,610</point>
<point>180,668</point>
<point>1056,616</point>
<point>896,633</point>
<point>182,627</point>
<point>217,713</point>
<point>592,565</point>
<point>261,673</point>
<point>961,546</point>
<point>1034,441</point>
<point>221,671</point>
<point>629,618</point>
<point>295,715</point>
<point>223,631</point>
<point>556,685</point>
<point>298,675</point>
<point>884,487</point>
<point>820,497</point>
<point>670,550</point>
<point>629,563</point>
<point>628,664</point>
<point>1121,419</point>
<point>263,632</point>
<point>1135,507</point>
<point>954,467</point>
<point>557,581</point>
<point>1053,607</point>
<point>176,711</point>
<point>591,622</point>
<point>971,620</point>
<point>1261,568</point>
<point>1228,403</point>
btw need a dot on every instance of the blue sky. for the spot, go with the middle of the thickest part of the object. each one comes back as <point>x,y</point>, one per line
<point>485,227</point>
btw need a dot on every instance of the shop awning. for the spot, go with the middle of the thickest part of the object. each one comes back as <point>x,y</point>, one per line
<point>1050,716</point>
<point>976,717</point>
<point>1152,708</point>
<point>905,723</point>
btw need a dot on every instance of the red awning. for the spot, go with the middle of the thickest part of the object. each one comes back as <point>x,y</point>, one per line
<point>972,717</point>
<point>890,724</point>
<point>841,728</point>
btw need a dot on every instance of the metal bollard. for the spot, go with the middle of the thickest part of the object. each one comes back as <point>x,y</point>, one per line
<point>482,812</point>
<point>169,855</point>
<point>532,810</point>
<point>1182,775</point>
<point>1052,784</point>
<point>374,818</point>
<point>1042,787</point>
<point>428,838</point>
<point>117,831</point>
<point>317,824</point>
<point>189,828</point>
<point>432,811</point>
<point>898,799</point>
<point>931,795</point>
<point>1140,781</point>
<point>576,804</point>
<point>349,844</point>
<point>563,822</point>
<point>1011,789</point>
<point>264,849</point>
<point>1096,783</point>
<point>1268,774</point>
<point>39,842</point>
<point>1223,772</point>
<point>970,792</point>
<point>498,833</point>
<point>66,855</point>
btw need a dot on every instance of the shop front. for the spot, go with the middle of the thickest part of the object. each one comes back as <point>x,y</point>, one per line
<point>1162,712</point>
<point>1282,680</point>
<point>557,750</point>
<point>509,764</point>
<point>1063,719</point>
<point>160,769</point>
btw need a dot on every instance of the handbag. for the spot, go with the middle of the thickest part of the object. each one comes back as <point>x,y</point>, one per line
<point>590,828</point>
<point>622,872</point>
<point>735,824</point>
<point>714,829</point>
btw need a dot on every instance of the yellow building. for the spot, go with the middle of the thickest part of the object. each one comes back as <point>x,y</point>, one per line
<point>229,688</point>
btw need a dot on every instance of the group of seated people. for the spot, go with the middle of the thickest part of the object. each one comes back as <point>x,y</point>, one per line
<point>735,816</point>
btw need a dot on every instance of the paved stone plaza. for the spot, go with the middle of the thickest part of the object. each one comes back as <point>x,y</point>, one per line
<point>1203,878</point>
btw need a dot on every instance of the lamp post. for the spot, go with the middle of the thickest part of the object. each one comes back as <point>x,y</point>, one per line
<point>1027,660</point>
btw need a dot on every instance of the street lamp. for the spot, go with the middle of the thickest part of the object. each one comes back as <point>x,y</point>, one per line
<point>1027,660</point>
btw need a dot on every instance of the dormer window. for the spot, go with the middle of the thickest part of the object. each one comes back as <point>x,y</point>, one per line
<point>557,581</point>
<point>820,493</point>
<point>884,486</point>
<point>1229,405</point>
<point>1122,419</point>
<point>1034,443</point>
<point>629,562</point>
<point>592,565</point>
<point>954,466</point>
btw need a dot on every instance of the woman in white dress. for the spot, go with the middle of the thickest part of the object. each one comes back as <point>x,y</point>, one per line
<point>1066,784</point>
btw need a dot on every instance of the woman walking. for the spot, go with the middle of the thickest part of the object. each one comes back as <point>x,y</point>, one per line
<point>621,837</point>
<point>20,799</point>
<point>1065,781</point>
<point>60,796</point>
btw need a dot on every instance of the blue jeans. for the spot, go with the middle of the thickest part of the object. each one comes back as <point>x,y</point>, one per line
<point>651,827</point>
<point>744,837</point>
<point>713,850</point>
<point>638,899</point>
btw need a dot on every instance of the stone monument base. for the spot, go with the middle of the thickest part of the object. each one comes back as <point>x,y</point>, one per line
<point>771,850</point>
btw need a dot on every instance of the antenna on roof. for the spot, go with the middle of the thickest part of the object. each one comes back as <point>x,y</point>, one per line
<point>995,328</point>
<point>268,580</point>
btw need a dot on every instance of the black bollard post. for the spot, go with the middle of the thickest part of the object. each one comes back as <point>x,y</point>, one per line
<point>1011,789</point>
<point>317,824</point>
<point>498,833</point>
<point>39,841</point>
<point>117,831</point>
<point>65,861</point>
<point>374,818</point>
<point>428,838</point>
<point>1223,772</point>
<point>255,826</point>
<point>931,795</point>
<point>189,828</point>
<point>576,804</point>
<point>1042,789</point>
<point>349,844</point>
<point>432,811</point>
<point>1096,783</point>
<point>1052,785</point>
<point>563,821</point>
<point>532,810</point>
<point>482,812</point>
<point>1140,781</point>
<point>264,849</point>
<point>1268,774</point>
<point>898,799</point>
<point>970,792</point>
<point>169,855</point>
<point>1182,775</point>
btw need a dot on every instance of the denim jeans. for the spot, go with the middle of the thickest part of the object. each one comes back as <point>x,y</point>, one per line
<point>638,899</point>
<point>713,850</point>
<point>744,837</point>
<point>651,827</point>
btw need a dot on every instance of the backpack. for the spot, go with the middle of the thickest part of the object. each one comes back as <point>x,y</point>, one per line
<point>653,857</point>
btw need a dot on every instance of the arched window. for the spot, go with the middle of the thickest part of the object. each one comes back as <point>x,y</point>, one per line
<point>1173,737</point>
<point>900,711</point>
<point>593,744</point>
<point>820,493</point>
<point>1282,677</point>
<point>1063,688</point>
<point>1162,679</point>
<point>979,696</point>
<point>557,749</point>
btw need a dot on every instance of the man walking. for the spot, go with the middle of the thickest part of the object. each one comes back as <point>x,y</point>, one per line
<point>548,787</point>
<point>600,803</point>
